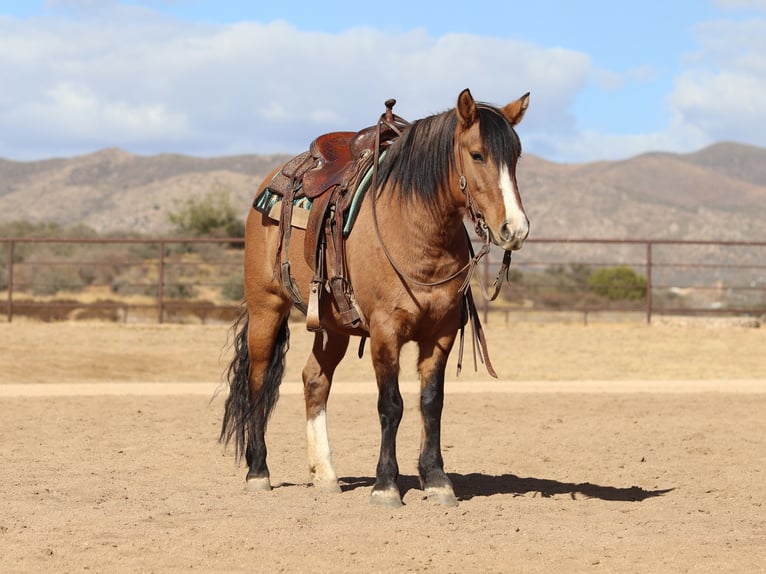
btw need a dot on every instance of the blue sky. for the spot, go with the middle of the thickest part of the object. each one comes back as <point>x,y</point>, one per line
<point>608,79</point>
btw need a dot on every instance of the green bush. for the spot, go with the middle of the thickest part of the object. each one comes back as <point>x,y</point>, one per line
<point>179,291</point>
<point>618,283</point>
<point>233,289</point>
<point>54,280</point>
<point>211,215</point>
<point>571,278</point>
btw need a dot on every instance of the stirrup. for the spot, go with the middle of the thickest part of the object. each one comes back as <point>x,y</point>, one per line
<point>313,323</point>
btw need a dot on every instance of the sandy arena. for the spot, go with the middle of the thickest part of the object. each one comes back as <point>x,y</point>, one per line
<point>606,448</point>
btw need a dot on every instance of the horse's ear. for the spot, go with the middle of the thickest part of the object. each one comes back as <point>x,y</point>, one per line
<point>514,111</point>
<point>466,109</point>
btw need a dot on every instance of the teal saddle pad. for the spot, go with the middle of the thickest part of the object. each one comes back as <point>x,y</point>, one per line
<point>268,199</point>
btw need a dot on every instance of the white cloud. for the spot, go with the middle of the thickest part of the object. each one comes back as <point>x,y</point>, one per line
<point>717,95</point>
<point>107,74</point>
<point>720,93</point>
<point>587,145</point>
<point>133,78</point>
<point>726,105</point>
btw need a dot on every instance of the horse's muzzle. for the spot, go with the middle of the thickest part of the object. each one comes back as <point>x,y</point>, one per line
<point>512,234</point>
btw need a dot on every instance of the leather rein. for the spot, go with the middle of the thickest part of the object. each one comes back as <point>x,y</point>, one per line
<point>395,123</point>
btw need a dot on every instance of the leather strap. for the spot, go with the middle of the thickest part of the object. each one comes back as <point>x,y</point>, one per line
<point>292,288</point>
<point>338,283</point>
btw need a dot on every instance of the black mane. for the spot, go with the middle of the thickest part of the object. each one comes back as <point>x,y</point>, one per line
<point>419,162</point>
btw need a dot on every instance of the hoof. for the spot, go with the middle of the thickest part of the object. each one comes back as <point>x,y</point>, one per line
<point>389,498</point>
<point>441,495</point>
<point>259,484</point>
<point>329,486</point>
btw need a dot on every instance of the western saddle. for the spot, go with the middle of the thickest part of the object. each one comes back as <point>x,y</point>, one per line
<point>320,191</point>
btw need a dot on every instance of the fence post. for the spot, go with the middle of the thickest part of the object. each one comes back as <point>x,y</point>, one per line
<point>10,280</point>
<point>648,282</point>
<point>161,285</point>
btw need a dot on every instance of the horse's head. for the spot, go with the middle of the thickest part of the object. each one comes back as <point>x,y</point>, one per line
<point>487,149</point>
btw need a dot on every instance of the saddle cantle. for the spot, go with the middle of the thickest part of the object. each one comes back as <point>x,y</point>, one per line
<point>324,183</point>
<point>332,159</point>
<point>332,153</point>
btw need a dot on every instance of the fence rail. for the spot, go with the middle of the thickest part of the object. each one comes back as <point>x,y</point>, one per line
<point>156,257</point>
<point>161,279</point>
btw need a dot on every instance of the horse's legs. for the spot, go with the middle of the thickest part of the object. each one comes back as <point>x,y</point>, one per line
<point>385,357</point>
<point>431,365</point>
<point>329,348</point>
<point>267,341</point>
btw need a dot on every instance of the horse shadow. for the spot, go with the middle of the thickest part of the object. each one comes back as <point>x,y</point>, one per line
<point>468,486</point>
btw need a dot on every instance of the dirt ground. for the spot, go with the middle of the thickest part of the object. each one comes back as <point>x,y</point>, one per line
<point>602,448</point>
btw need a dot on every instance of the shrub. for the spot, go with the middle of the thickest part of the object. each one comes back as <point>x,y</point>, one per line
<point>179,291</point>
<point>618,283</point>
<point>209,216</point>
<point>53,280</point>
<point>233,289</point>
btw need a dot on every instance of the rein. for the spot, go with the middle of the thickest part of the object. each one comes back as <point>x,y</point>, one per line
<point>389,120</point>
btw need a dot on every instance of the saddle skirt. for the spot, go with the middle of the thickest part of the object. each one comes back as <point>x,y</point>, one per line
<point>269,202</point>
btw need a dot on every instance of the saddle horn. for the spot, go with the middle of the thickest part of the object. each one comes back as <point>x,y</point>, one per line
<point>390,103</point>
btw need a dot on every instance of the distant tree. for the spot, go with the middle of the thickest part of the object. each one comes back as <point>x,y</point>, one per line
<point>571,278</point>
<point>211,215</point>
<point>618,283</point>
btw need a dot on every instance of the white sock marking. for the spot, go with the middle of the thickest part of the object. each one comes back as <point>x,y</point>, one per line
<point>320,457</point>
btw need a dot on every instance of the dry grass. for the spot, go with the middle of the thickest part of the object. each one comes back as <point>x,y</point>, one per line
<point>94,351</point>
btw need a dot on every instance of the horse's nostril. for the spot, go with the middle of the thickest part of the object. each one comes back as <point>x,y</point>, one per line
<point>506,233</point>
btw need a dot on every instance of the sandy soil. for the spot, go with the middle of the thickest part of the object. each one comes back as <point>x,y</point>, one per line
<point>607,448</point>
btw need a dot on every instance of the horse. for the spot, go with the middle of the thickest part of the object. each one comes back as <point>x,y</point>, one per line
<point>406,258</point>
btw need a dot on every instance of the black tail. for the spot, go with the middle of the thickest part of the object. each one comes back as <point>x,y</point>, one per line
<point>238,419</point>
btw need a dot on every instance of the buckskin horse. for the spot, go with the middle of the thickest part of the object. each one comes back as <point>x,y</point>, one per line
<point>401,273</point>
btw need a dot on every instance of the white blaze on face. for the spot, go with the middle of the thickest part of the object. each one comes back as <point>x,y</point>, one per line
<point>514,213</point>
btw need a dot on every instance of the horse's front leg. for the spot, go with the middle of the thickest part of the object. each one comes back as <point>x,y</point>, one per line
<point>385,357</point>
<point>431,366</point>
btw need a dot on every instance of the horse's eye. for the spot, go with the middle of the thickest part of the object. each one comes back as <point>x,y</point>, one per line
<point>476,156</point>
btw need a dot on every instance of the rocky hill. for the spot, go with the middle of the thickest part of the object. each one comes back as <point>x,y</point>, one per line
<point>113,191</point>
<point>716,193</point>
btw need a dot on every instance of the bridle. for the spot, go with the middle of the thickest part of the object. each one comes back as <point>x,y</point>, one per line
<point>389,120</point>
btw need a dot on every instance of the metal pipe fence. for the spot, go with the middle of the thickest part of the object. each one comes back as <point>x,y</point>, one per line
<point>150,278</point>
<point>671,277</point>
<point>171,279</point>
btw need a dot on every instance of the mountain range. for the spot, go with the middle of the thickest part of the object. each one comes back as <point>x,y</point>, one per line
<point>716,193</point>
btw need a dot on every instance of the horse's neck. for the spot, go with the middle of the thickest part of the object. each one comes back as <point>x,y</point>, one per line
<point>429,227</point>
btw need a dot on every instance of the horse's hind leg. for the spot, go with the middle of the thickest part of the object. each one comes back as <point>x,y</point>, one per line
<point>329,348</point>
<point>431,365</point>
<point>254,376</point>
<point>267,341</point>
